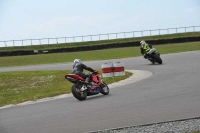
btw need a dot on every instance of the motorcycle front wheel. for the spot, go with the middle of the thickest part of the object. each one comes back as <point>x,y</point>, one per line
<point>158,59</point>
<point>104,88</point>
<point>78,94</point>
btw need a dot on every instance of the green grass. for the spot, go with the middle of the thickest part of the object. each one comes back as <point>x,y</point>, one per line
<point>114,53</point>
<point>18,87</point>
<point>76,44</point>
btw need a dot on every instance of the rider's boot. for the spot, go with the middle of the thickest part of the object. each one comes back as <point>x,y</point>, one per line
<point>88,80</point>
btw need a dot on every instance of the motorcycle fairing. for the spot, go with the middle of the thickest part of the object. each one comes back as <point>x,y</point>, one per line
<point>73,77</point>
<point>152,50</point>
<point>95,78</point>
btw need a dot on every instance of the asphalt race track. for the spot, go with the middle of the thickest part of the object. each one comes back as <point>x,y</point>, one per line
<point>171,93</point>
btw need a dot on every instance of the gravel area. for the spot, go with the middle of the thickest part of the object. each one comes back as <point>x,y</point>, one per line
<point>180,126</point>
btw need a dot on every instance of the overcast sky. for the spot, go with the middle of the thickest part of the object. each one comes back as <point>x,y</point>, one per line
<point>33,19</point>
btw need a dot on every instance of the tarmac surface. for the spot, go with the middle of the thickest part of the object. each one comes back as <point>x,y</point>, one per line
<point>155,93</point>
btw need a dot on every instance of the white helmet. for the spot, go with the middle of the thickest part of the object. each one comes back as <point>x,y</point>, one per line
<point>142,42</point>
<point>77,60</point>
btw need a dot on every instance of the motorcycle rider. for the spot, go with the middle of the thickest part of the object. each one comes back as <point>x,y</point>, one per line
<point>78,68</point>
<point>145,48</point>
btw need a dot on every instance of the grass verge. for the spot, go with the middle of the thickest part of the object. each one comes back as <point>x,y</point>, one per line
<point>114,53</point>
<point>18,87</point>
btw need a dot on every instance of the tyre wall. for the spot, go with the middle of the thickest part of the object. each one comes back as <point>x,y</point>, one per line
<point>98,47</point>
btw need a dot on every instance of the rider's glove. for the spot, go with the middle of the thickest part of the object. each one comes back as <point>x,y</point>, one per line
<point>95,72</point>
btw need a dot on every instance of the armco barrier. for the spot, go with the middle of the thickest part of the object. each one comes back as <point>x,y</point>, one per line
<point>113,69</point>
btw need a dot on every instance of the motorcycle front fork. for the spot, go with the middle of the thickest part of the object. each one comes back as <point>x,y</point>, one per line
<point>151,60</point>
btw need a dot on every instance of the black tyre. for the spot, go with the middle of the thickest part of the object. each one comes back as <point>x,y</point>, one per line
<point>158,59</point>
<point>78,94</point>
<point>152,61</point>
<point>104,89</point>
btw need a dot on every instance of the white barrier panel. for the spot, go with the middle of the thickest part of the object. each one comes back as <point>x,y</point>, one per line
<point>107,69</point>
<point>113,69</point>
<point>118,69</point>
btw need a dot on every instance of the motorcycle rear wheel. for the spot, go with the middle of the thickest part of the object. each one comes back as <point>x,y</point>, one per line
<point>104,89</point>
<point>78,94</point>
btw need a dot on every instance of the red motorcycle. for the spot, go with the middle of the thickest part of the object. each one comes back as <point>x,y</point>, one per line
<point>82,89</point>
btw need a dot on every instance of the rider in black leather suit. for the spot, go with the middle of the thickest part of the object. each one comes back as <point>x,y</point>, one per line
<point>78,68</point>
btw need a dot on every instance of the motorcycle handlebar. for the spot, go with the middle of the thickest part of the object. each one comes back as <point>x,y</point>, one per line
<point>95,72</point>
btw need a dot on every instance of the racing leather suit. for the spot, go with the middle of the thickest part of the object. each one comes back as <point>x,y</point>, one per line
<point>145,49</point>
<point>78,69</point>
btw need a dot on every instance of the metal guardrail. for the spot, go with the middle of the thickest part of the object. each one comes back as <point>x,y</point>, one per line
<point>98,37</point>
